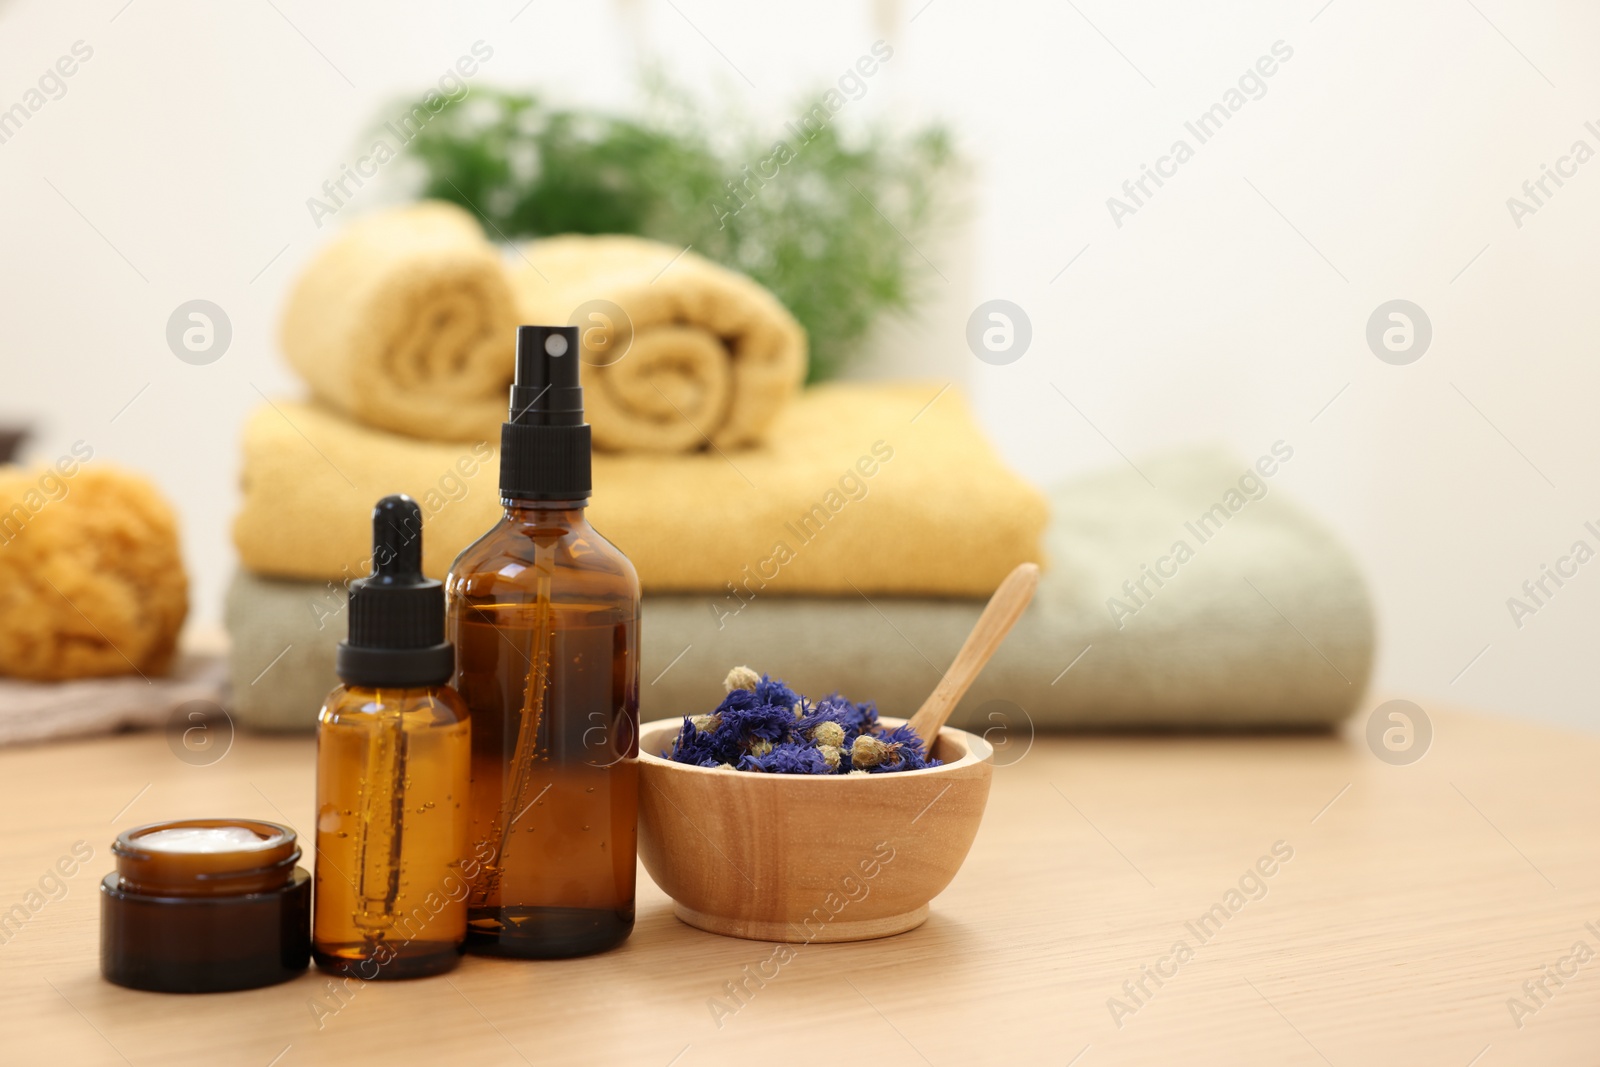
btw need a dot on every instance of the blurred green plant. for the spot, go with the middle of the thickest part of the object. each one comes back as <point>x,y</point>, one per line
<point>826,220</point>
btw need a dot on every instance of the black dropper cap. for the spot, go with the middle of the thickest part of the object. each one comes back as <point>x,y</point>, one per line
<point>544,443</point>
<point>396,615</point>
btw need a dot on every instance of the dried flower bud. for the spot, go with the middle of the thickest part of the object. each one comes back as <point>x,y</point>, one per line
<point>759,747</point>
<point>831,753</point>
<point>868,751</point>
<point>741,678</point>
<point>704,724</point>
<point>828,733</point>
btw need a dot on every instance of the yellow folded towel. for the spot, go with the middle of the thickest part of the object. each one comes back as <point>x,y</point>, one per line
<point>91,579</point>
<point>699,353</point>
<point>406,321</point>
<point>861,489</point>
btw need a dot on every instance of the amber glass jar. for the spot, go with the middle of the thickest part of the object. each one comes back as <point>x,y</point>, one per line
<point>205,905</point>
<point>544,615</point>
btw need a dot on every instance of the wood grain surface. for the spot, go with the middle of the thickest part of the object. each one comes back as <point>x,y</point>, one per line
<point>1417,901</point>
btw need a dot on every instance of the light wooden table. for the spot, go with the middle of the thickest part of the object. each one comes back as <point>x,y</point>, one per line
<point>1417,902</point>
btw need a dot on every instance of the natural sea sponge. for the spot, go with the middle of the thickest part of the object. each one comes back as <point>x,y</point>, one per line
<point>91,579</point>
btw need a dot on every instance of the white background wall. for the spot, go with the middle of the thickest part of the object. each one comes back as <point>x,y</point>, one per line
<point>1232,307</point>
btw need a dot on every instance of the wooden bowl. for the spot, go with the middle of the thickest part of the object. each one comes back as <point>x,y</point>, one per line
<point>803,858</point>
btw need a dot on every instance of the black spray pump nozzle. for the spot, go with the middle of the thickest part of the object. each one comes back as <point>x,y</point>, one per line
<point>547,391</point>
<point>396,614</point>
<point>544,443</point>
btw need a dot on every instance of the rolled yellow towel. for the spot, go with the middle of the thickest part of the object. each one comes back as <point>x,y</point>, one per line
<point>862,489</point>
<point>405,321</point>
<point>91,579</point>
<point>700,353</point>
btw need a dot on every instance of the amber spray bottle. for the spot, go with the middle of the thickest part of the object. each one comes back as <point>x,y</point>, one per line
<point>393,772</point>
<point>544,614</point>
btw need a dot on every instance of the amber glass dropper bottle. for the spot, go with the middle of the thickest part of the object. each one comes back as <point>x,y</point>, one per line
<point>393,755</point>
<point>544,614</point>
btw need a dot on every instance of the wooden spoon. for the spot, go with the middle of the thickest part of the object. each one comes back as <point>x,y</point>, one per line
<point>1001,614</point>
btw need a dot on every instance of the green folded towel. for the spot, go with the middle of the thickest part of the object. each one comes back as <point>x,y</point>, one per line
<point>1204,601</point>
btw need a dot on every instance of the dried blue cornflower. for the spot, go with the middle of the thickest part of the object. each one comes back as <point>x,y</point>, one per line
<point>762,725</point>
<point>908,751</point>
<point>773,692</point>
<point>757,714</point>
<point>821,714</point>
<point>791,757</point>
<point>852,718</point>
<point>743,727</point>
<point>868,715</point>
<point>694,744</point>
